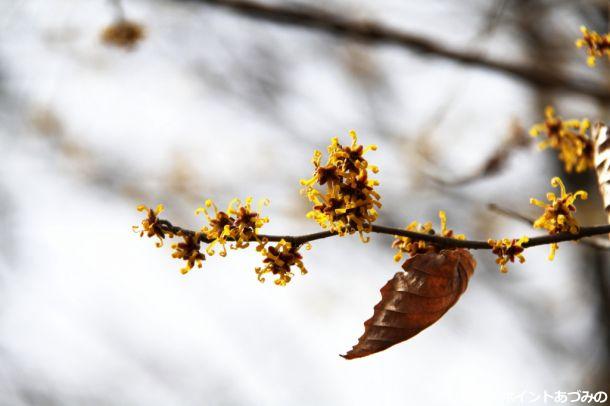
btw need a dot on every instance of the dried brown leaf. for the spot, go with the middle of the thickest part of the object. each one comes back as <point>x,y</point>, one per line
<point>415,298</point>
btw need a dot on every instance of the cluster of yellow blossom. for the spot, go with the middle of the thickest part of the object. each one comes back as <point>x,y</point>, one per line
<point>413,247</point>
<point>348,205</point>
<point>569,137</point>
<point>596,45</point>
<point>278,261</point>
<point>507,250</point>
<point>558,214</point>
<point>189,250</point>
<point>349,202</point>
<point>238,223</point>
<point>150,225</point>
<point>123,34</point>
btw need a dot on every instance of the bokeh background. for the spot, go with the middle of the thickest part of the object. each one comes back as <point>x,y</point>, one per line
<point>216,104</point>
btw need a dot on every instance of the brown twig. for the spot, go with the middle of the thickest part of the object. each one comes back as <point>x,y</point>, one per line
<point>377,33</point>
<point>590,241</point>
<point>443,242</point>
<point>510,213</point>
<point>517,139</point>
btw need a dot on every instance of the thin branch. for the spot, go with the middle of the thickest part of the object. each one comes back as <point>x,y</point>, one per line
<point>510,213</point>
<point>516,139</point>
<point>597,243</point>
<point>444,242</point>
<point>376,33</point>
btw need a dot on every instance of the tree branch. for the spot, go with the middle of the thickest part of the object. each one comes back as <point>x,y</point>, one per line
<point>443,242</point>
<point>597,243</point>
<point>376,33</point>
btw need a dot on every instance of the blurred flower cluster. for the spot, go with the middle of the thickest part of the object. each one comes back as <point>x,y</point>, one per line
<point>596,45</point>
<point>123,34</point>
<point>569,137</point>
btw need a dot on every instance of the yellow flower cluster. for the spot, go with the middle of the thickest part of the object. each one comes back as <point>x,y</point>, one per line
<point>123,34</point>
<point>569,137</point>
<point>349,202</point>
<point>150,225</point>
<point>237,226</point>
<point>238,223</point>
<point>278,261</point>
<point>189,250</point>
<point>507,250</point>
<point>413,247</point>
<point>596,45</point>
<point>558,214</point>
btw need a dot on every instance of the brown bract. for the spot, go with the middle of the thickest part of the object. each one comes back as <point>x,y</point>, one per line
<point>414,299</point>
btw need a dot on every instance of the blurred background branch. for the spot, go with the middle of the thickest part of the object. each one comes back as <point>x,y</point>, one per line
<point>376,33</point>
